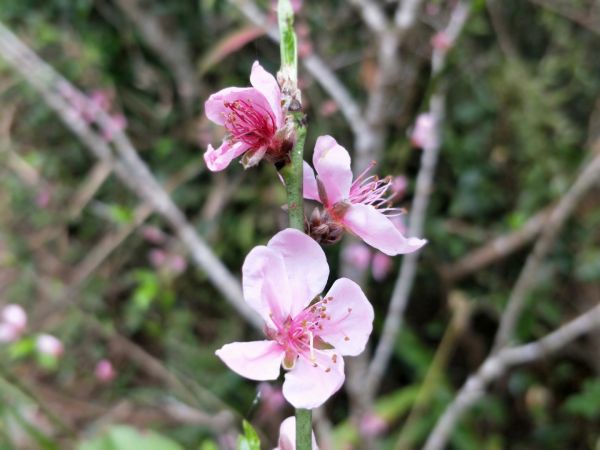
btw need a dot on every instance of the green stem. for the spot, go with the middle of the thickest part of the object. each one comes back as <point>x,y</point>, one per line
<point>292,175</point>
<point>292,172</point>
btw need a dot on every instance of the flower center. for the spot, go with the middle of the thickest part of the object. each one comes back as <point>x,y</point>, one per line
<point>250,123</point>
<point>371,190</point>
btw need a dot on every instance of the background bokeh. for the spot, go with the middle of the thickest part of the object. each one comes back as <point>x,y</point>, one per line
<point>111,281</point>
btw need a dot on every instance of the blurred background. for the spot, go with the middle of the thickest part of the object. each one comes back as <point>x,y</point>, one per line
<point>122,322</point>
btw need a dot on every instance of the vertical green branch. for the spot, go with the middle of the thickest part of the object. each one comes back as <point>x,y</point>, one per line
<point>292,172</point>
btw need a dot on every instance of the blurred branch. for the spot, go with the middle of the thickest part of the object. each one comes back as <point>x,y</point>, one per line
<point>497,248</point>
<point>169,46</point>
<point>498,363</point>
<point>581,18</point>
<point>416,220</point>
<point>372,15</point>
<point>589,176</point>
<point>128,166</point>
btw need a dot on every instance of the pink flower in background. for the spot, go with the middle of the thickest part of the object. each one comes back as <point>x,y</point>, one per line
<point>308,333</point>
<point>105,372</point>
<point>358,255</point>
<point>425,133</point>
<point>176,263</point>
<point>287,436</point>
<point>49,345</point>
<point>42,198</point>
<point>328,108</point>
<point>381,266</point>
<point>399,185</point>
<point>360,206</point>
<point>118,122</point>
<point>157,257</point>
<point>254,119</point>
<point>153,234</point>
<point>372,425</point>
<point>441,41</point>
<point>13,321</point>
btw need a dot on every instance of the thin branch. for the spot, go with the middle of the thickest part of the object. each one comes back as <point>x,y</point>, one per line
<point>128,166</point>
<point>497,248</point>
<point>372,15</point>
<point>497,364</point>
<point>408,270</point>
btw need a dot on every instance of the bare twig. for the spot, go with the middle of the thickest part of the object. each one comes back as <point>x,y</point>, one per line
<point>372,15</point>
<point>170,47</point>
<point>497,364</point>
<point>408,270</point>
<point>589,176</point>
<point>498,248</point>
<point>128,166</point>
<point>581,18</point>
<point>98,175</point>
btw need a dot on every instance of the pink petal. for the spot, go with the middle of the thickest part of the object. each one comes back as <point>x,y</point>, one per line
<point>332,163</point>
<point>219,158</point>
<point>253,157</point>
<point>305,265</point>
<point>378,231</point>
<point>216,110</point>
<point>287,435</point>
<point>309,188</point>
<point>265,284</point>
<point>307,386</point>
<point>267,85</point>
<point>256,360</point>
<point>351,318</point>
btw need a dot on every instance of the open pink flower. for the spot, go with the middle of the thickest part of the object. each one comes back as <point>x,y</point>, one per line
<point>49,345</point>
<point>308,333</point>
<point>287,436</point>
<point>360,206</point>
<point>425,133</point>
<point>254,119</point>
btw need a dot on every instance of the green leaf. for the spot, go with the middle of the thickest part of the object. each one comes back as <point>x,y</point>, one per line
<point>288,37</point>
<point>250,439</point>
<point>587,402</point>
<point>122,437</point>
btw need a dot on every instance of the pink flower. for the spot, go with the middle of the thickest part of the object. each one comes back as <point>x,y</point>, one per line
<point>153,234</point>
<point>358,255</point>
<point>360,206</point>
<point>372,425</point>
<point>254,119</point>
<point>287,436</point>
<point>105,372</point>
<point>14,316</point>
<point>399,185</point>
<point>441,41</point>
<point>381,266</point>
<point>117,122</point>
<point>425,133</point>
<point>49,345</point>
<point>308,333</point>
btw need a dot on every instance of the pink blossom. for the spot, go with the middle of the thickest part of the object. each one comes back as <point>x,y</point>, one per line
<point>328,108</point>
<point>399,185</point>
<point>441,41</point>
<point>372,425</point>
<point>287,436</point>
<point>360,206</point>
<point>49,345</point>
<point>105,372</point>
<point>425,133</point>
<point>176,263</point>
<point>14,316</point>
<point>381,266</point>
<point>8,333</point>
<point>253,118</point>
<point>153,234</point>
<point>358,255</point>
<point>117,123</point>
<point>308,333</point>
<point>42,198</point>
<point>157,257</point>
<point>272,399</point>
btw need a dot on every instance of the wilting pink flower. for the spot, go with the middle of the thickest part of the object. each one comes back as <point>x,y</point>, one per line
<point>425,133</point>
<point>372,425</point>
<point>358,255</point>
<point>49,345</point>
<point>308,333</point>
<point>254,119</point>
<point>360,206</point>
<point>441,41</point>
<point>287,436</point>
<point>381,266</point>
<point>105,372</point>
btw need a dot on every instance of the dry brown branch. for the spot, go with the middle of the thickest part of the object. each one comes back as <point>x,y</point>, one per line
<point>498,363</point>
<point>96,178</point>
<point>497,248</point>
<point>589,175</point>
